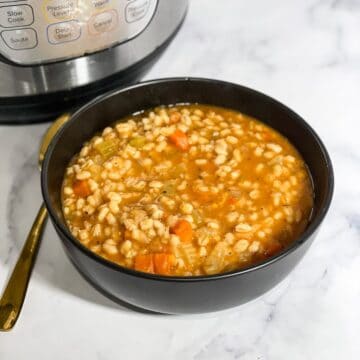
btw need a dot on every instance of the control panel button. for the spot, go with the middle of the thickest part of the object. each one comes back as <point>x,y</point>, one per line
<point>60,9</point>
<point>103,22</point>
<point>64,32</point>
<point>100,4</point>
<point>20,39</point>
<point>68,29</point>
<point>16,15</point>
<point>136,10</point>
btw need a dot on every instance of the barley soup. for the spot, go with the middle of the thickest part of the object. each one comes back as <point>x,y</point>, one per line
<point>187,190</point>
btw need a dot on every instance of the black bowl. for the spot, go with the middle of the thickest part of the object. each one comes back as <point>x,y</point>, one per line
<point>188,294</point>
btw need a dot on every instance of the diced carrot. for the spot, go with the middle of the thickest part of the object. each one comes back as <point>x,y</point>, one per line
<point>183,230</point>
<point>266,135</point>
<point>175,118</point>
<point>232,200</point>
<point>180,140</point>
<point>81,188</point>
<point>144,263</point>
<point>163,263</point>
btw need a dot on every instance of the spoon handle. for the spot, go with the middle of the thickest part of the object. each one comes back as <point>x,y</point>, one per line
<point>15,291</point>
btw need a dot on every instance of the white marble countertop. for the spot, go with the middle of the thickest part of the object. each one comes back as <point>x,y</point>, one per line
<point>304,53</point>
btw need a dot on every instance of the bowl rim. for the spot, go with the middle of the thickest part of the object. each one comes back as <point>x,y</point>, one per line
<point>310,230</point>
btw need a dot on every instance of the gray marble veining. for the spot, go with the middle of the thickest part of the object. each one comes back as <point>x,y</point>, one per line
<point>307,55</point>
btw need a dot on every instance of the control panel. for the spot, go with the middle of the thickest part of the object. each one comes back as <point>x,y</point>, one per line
<point>42,31</point>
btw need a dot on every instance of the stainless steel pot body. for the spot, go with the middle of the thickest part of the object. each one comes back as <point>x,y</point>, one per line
<point>52,46</point>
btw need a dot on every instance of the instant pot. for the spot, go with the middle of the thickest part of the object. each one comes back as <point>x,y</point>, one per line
<point>55,54</point>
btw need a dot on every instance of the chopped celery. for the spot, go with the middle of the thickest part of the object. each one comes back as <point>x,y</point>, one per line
<point>205,235</point>
<point>215,262</point>
<point>177,170</point>
<point>221,200</point>
<point>95,171</point>
<point>108,148</point>
<point>168,189</point>
<point>190,253</point>
<point>197,217</point>
<point>138,142</point>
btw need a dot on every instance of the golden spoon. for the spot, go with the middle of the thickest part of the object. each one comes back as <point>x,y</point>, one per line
<point>13,297</point>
